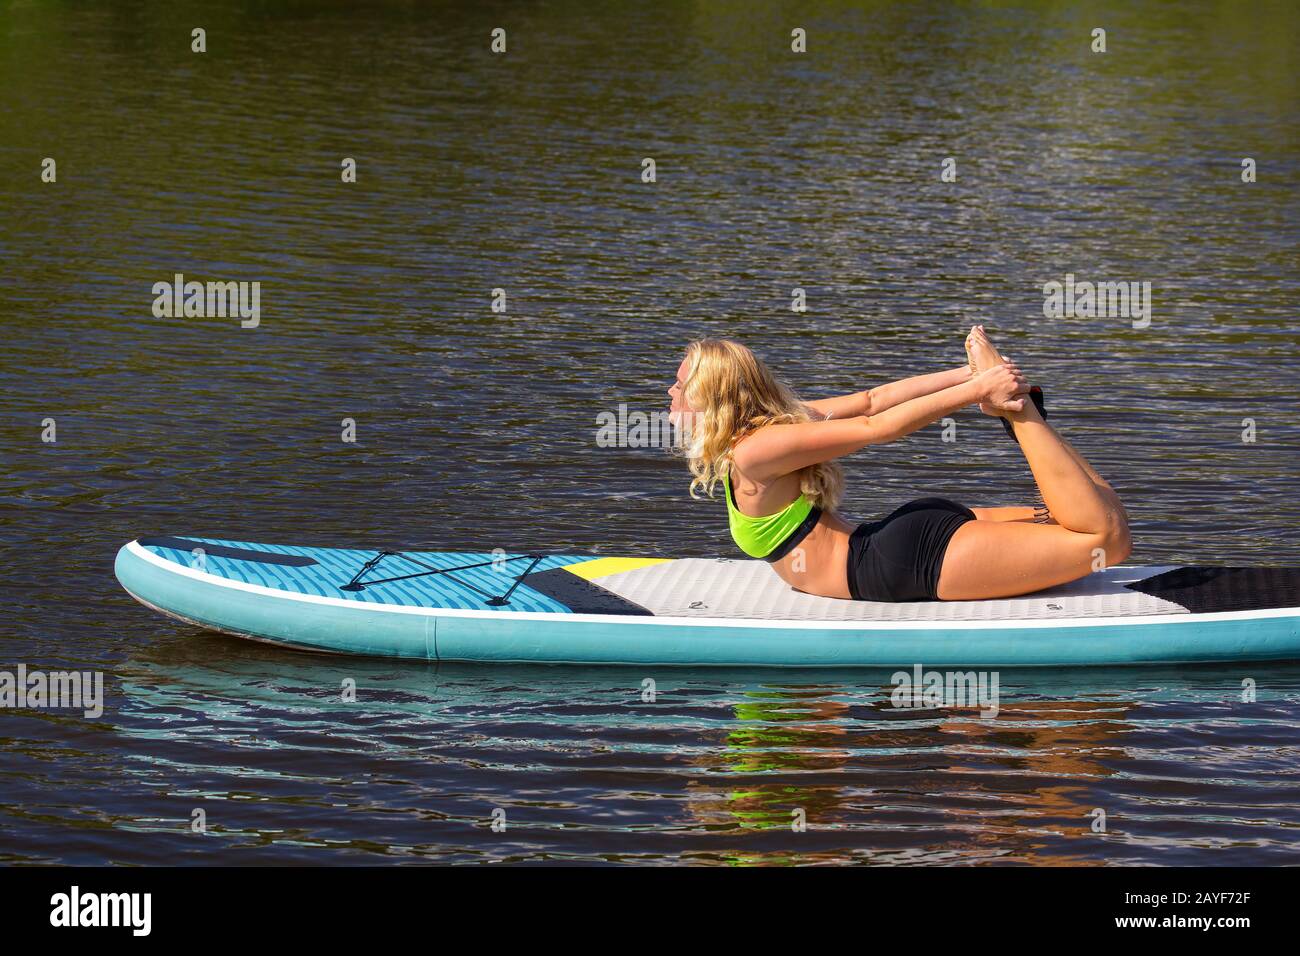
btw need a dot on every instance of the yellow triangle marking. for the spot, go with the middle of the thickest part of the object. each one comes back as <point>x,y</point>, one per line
<point>599,567</point>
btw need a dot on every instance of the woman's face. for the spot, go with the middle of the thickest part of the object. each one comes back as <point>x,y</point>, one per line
<point>676,392</point>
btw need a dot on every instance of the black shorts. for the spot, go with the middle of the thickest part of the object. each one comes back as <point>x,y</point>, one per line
<point>899,557</point>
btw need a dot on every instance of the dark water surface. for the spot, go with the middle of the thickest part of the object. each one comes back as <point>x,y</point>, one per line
<point>477,429</point>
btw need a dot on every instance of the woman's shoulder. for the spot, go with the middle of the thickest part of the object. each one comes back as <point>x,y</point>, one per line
<point>749,467</point>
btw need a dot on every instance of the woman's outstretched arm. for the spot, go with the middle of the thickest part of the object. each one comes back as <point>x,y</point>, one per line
<point>906,389</point>
<point>776,450</point>
<point>873,401</point>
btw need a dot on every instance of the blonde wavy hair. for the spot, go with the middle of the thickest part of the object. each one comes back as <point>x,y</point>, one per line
<point>732,394</point>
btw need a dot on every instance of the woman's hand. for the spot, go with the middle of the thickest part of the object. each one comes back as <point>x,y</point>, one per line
<point>1001,388</point>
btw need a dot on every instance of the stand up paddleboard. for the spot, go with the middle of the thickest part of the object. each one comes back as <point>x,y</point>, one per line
<point>575,609</point>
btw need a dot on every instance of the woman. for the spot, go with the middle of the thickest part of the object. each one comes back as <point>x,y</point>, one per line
<point>775,457</point>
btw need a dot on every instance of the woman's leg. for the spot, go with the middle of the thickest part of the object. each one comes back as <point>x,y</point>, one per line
<point>1034,513</point>
<point>1097,479</point>
<point>1076,496</point>
<point>1003,555</point>
<point>994,559</point>
<point>981,353</point>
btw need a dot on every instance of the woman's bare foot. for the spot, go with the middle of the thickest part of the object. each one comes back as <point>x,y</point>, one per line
<point>980,351</point>
<point>982,356</point>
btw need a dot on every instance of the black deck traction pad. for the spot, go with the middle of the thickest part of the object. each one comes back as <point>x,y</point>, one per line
<point>221,551</point>
<point>1204,589</point>
<point>580,595</point>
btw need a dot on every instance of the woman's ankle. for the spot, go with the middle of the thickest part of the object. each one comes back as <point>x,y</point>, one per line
<point>1027,414</point>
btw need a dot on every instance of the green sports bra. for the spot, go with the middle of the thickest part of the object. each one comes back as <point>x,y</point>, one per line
<point>771,537</point>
